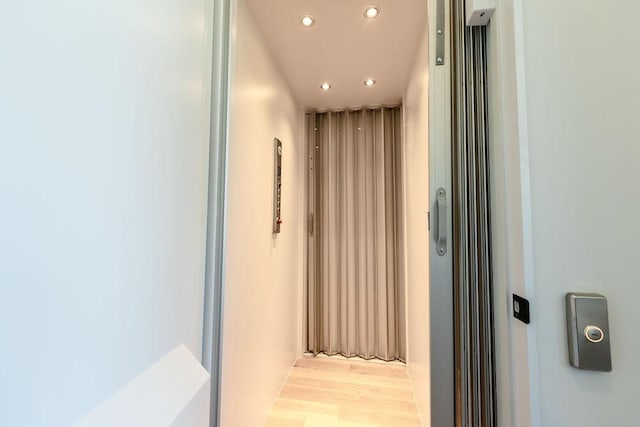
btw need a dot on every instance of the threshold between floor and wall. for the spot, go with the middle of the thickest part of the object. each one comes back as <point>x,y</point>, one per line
<point>335,391</point>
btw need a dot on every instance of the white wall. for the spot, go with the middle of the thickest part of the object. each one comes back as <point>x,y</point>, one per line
<point>416,190</point>
<point>103,166</point>
<point>579,72</point>
<point>515,342</point>
<point>262,272</point>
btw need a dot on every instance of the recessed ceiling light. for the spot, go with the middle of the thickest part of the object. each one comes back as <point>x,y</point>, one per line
<point>325,86</point>
<point>307,20</point>
<point>369,82</point>
<point>371,12</point>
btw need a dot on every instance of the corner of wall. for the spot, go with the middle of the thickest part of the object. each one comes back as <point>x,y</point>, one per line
<point>515,350</point>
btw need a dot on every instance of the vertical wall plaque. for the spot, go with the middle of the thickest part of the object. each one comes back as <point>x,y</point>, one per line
<point>277,184</point>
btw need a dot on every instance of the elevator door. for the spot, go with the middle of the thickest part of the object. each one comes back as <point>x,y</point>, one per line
<point>355,296</point>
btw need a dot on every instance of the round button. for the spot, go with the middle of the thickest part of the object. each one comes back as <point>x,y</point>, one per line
<point>593,334</point>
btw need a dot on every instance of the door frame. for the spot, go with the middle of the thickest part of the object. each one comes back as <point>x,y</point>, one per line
<point>216,204</point>
<point>440,174</point>
<point>442,380</point>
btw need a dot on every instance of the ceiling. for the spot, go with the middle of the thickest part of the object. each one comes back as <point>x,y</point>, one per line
<point>343,48</point>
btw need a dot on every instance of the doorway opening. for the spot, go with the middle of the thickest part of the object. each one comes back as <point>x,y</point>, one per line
<point>291,60</point>
<point>355,293</point>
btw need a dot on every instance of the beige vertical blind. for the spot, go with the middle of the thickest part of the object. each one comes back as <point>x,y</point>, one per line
<point>355,289</point>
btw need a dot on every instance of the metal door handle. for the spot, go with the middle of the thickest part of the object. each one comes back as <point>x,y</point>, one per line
<point>441,218</point>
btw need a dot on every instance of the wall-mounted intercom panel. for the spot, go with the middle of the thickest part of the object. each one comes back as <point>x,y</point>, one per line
<point>588,331</point>
<point>277,184</point>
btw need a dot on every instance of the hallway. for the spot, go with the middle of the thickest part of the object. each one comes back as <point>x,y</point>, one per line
<point>324,392</point>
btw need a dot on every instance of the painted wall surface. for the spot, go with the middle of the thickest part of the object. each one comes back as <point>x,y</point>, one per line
<point>512,267</point>
<point>579,72</point>
<point>103,166</point>
<point>416,189</point>
<point>262,271</point>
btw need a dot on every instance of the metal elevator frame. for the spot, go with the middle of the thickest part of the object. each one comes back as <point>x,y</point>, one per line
<point>475,379</point>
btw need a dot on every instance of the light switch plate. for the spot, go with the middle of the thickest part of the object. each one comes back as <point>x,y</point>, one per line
<point>588,331</point>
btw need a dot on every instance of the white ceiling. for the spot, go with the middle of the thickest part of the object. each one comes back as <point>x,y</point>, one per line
<point>343,48</point>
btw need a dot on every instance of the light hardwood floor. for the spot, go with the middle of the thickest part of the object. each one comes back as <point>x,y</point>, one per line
<point>325,392</point>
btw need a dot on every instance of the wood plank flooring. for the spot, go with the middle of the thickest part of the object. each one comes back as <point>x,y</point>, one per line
<point>328,392</point>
